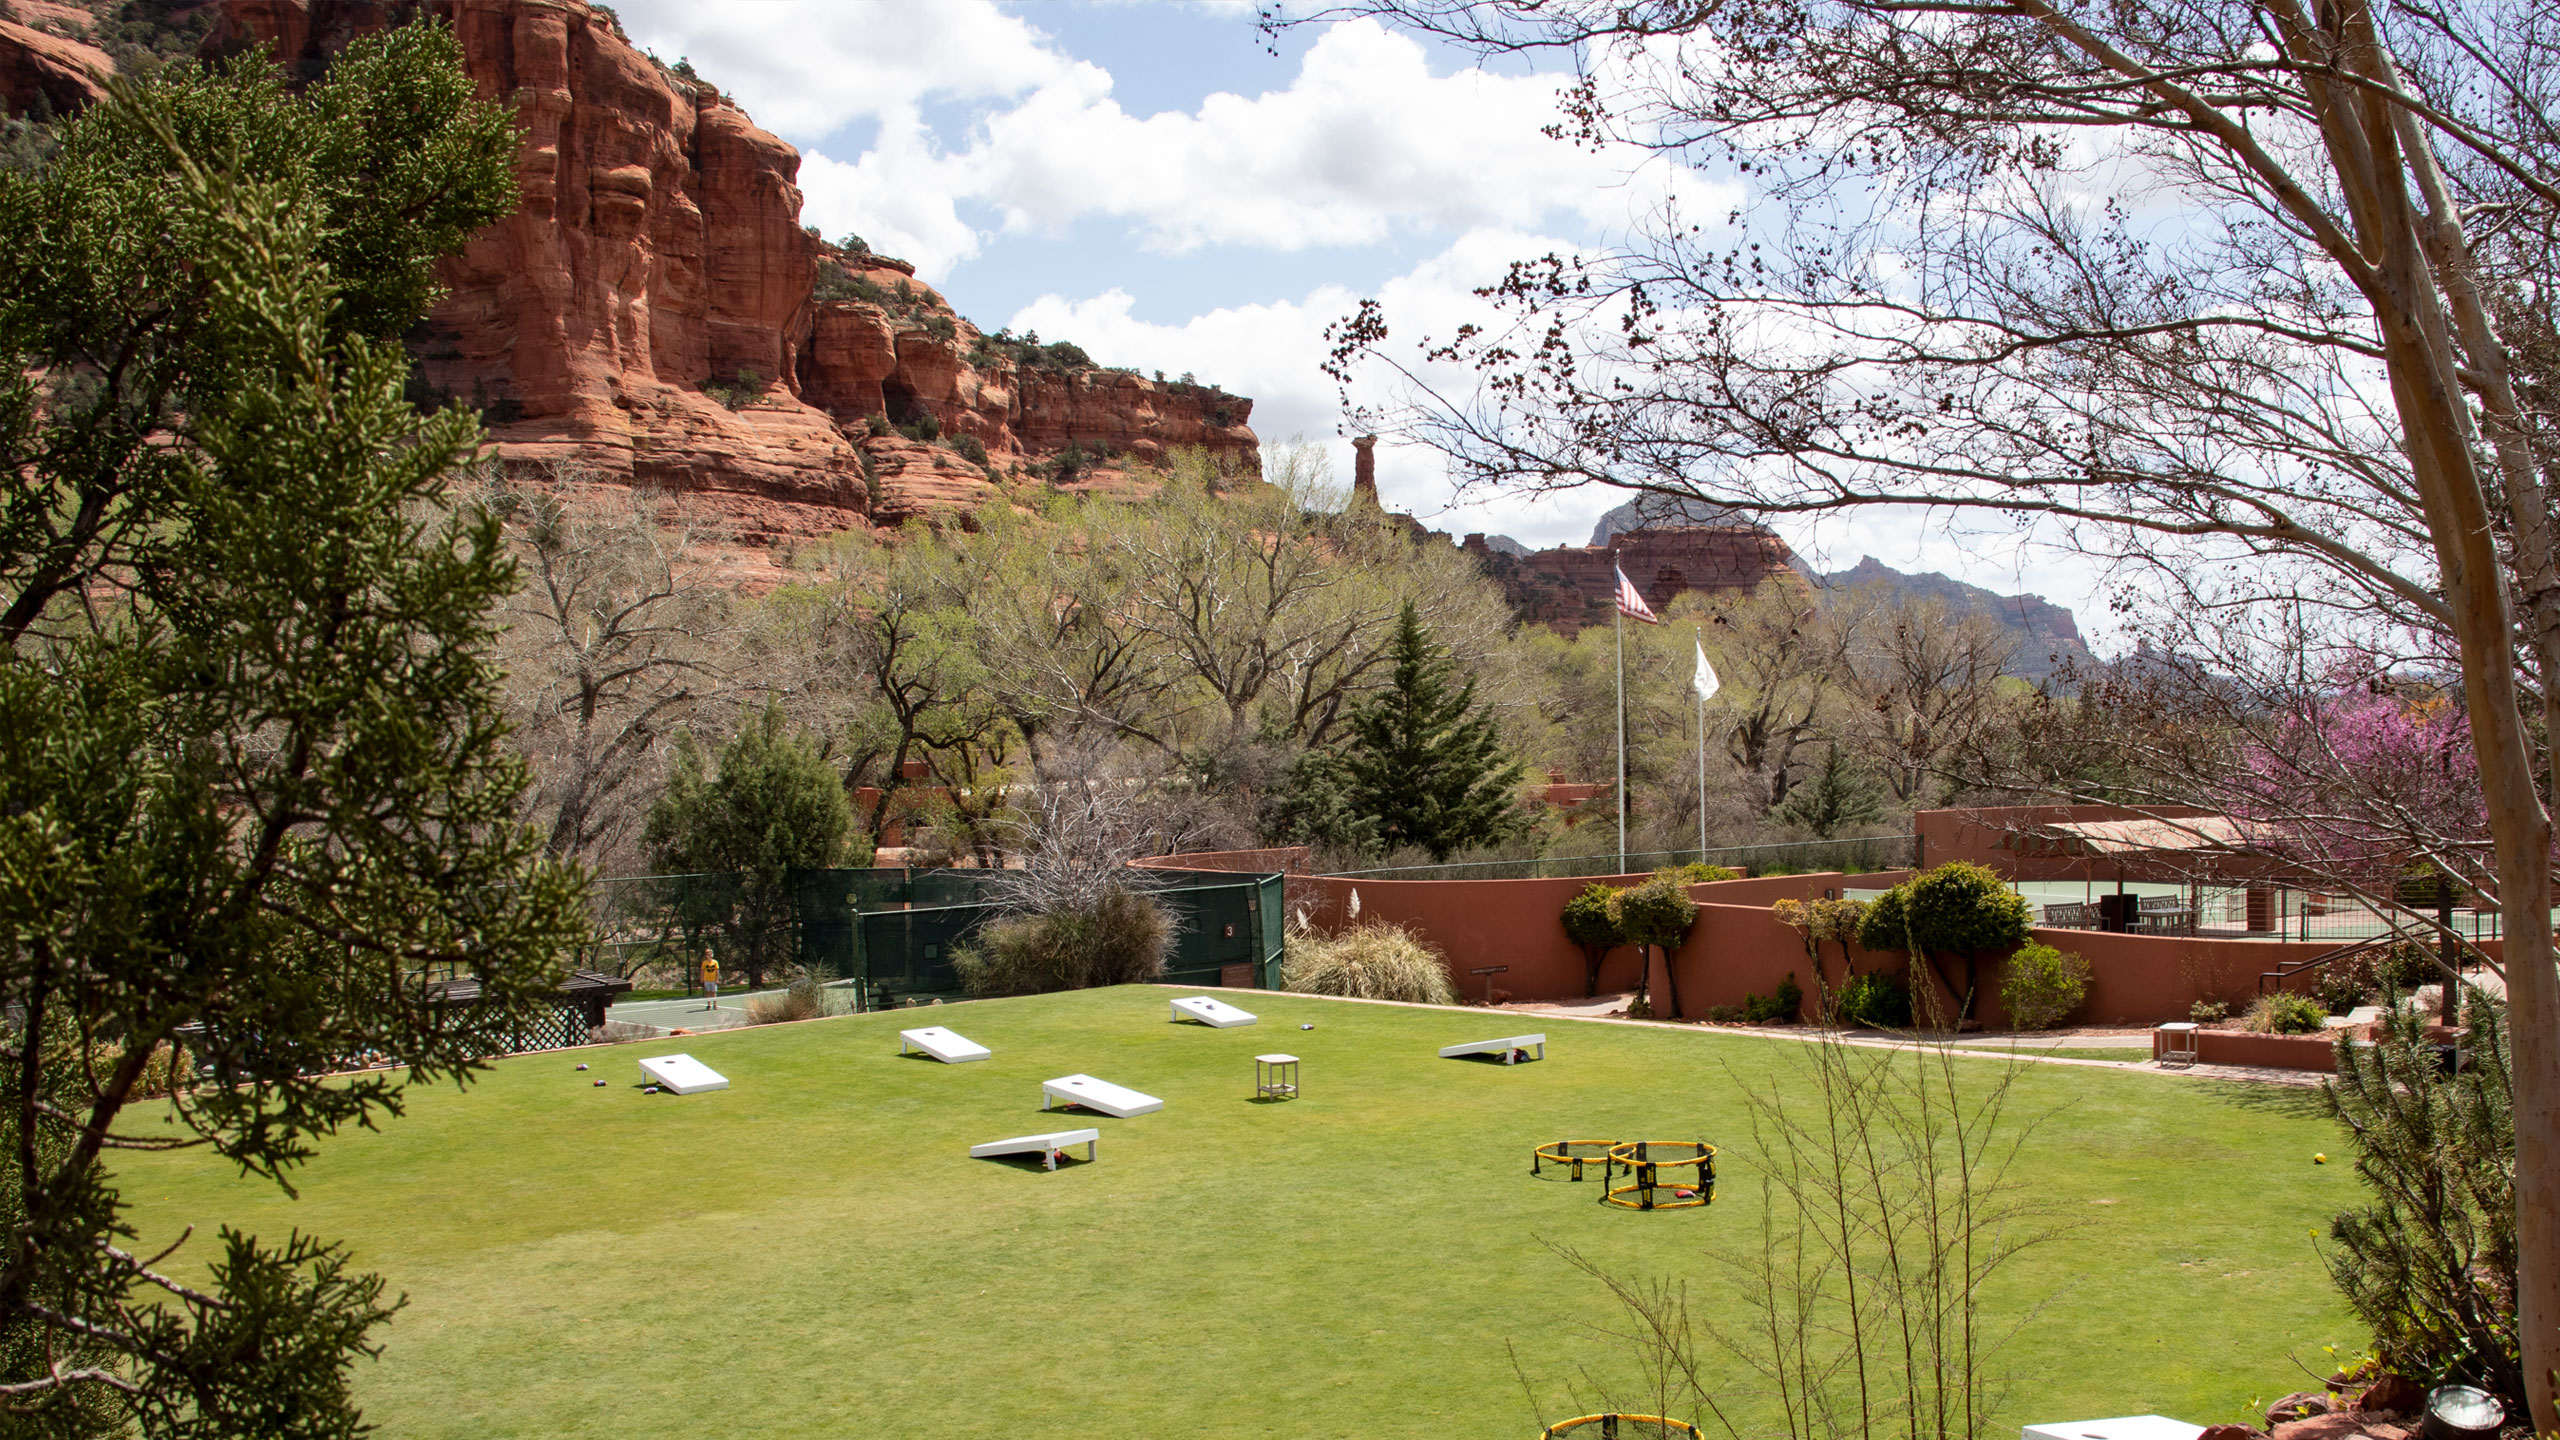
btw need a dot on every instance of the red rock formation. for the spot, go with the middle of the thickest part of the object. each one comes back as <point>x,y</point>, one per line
<point>1574,585</point>
<point>649,314</point>
<point>47,74</point>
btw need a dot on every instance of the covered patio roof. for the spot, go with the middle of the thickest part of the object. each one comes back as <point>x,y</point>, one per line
<point>2125,839</point>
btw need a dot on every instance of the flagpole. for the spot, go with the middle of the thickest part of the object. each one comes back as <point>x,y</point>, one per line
<point>1702,758</point>
<point>1618,621</point>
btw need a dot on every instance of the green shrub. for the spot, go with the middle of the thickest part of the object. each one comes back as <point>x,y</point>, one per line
<point>877,426</point>
<point>1372,961</point>
<point>2042,986</point>
<point>744,391</point>
<point>2205,1012</point>
<point>1873,999</point>
<point>1959,908</point>
<point>1783,1006</point>
<point>1727,1014</point>
<point>1120,938</point>
<point>836,283</point>
<point>1591,921</point>
<point>2286,1013</point>
<point>971,449</point>
<point>1697,874</point>
<point>2342,986</point>
<point>1657,914</point>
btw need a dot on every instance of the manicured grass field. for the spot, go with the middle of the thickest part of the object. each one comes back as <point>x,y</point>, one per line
<point>810,1253</point>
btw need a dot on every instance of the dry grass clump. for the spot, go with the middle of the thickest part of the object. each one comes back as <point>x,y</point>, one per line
<point>1117,937</point>
<point>805,998</point>
<point>1375,961</point>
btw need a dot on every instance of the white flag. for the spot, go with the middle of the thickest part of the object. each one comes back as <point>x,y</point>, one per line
<point>1706,681</point>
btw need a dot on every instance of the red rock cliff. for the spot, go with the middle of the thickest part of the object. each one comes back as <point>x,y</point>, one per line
<point>650,314</point>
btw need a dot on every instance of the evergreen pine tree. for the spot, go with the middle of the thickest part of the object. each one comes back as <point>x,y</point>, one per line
<point>1424,760</point>
<point>1837,797</point>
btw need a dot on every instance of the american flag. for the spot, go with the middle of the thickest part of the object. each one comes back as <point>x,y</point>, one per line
<point>1630,603</point>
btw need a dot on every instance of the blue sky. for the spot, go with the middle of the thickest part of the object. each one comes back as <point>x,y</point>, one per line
<point>1150,181</point>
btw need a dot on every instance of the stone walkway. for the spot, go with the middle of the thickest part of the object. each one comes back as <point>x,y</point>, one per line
<point>1605,1010</point>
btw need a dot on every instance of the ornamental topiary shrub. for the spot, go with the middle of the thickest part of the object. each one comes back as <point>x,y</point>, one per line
<point>1959,908</point>
<point>1657,915</point>
<point>2042,986</point>
<point>1591,921</point>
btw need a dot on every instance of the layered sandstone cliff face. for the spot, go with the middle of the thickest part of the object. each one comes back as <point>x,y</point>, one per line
<point>652,313</point>
<point>1571,586</point>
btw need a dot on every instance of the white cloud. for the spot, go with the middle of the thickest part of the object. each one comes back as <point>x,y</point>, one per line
<point>1366,140</point>
<point>899,197</point>
<point>1364,143</point>
<point>807,68</point>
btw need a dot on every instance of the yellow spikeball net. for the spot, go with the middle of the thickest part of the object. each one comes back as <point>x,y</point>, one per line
<point>1573,1154</point>
<point>1626,1427</point>
<point>1655,1174</point>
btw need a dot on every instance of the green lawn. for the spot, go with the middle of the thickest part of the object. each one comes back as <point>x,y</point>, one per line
<point>811,1253</point>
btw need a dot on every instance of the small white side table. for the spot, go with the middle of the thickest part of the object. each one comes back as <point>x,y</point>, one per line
<point>2177,1042</point>
<point>1275,1076</point>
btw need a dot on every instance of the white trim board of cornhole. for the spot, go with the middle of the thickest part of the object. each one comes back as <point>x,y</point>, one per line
<point>943,1045</point>
<point>1214,1013</point>
<point>2122,1427</point>
<point>682,1074</point>
<point>1114,1100</point>
<point>1045,1146</point>
<point>1503,1047</point>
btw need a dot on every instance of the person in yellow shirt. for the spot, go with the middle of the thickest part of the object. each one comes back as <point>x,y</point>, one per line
<point>711,981</point>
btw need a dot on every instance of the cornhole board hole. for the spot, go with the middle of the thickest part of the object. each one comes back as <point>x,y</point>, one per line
<point>1503,1047</point>
<point>1217,1014</point>
<point>2122,1427</point>
<point>942,1045</point>
<point>1102,1095</point>
<point>682,1074</point>
<point>1045,1146</point>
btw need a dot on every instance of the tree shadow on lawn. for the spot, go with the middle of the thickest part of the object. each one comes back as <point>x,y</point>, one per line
<point>2300,1102</point>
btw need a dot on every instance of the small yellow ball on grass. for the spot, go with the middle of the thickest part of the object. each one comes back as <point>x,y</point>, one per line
<point>2319,1159</point>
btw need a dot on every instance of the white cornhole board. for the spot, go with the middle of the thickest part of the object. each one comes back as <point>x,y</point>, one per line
<point>2123,1427</point>
<point>1099,1095</point>
<point>1502,1047</point>
<point>1045,1146</point>
<point>1216,1013</point>
<point>682,1074</point>
<point>942,1045</point>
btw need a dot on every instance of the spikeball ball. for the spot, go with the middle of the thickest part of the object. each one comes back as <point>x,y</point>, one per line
<point>2319,1159</point>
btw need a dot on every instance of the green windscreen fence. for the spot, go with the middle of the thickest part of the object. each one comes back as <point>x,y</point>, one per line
<point>892,931</point>
<point>1226,932</point>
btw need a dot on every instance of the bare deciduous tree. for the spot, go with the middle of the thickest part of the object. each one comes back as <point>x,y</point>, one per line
<point>1923,683</point>
<point>611,647</point>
